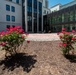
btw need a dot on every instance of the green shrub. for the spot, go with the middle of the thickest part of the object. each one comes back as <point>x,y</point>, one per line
<point>68,39</point>
<point>12,39</point>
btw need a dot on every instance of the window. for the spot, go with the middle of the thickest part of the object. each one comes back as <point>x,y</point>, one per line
<point>7,17</point>
<point>8,7</point>
<point>44,11</point>
<point>13,9</point>
<point>10,0</point>
<point>71,16</point>
<point>40,16</point>
<point>13,26</point>
<point>29,27</point>
<point>35,4</point>
<point>46,4</point>
<point>13,18</point>
<point>40,8</point>
<point>8,26</point>
<point>17,1</point>
<point>47,12</point>
<point>29,3</point>
<point>29,9</point>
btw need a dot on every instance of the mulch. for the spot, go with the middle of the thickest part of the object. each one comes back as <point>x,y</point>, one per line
<point>38,58</point>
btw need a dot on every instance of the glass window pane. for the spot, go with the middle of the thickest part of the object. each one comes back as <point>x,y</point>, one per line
<point>13,18</point>
<point>8,7</point>
<point>7,17</point>
<point>13,9</point>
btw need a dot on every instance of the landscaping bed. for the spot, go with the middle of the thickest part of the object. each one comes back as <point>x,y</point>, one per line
<point>38,58</point>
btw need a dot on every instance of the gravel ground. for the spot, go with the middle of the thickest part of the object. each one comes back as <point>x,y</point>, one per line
<point>38,58</point>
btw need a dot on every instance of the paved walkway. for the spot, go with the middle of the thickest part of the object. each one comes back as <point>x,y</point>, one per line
<point>43,37</point>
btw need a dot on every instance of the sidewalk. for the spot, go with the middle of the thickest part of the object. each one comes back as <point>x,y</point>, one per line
<point>43,37</point>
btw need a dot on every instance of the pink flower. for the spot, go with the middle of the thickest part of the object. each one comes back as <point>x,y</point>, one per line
<point>18,27</point>
<point>67,33</point>
<point>69,43</point>
<point>11,29</point>
<point>7,29</point>
<point>28,41</point>
<point>3,33</point>
<point>64,44</point>
<point>21,31</point>
<point>15,29</point>
<point>7,32</point>
<point>63,32</point>
<point>63,29</point>
<point>73,31</point>
<point>73,38</point>
<point>60,37</point>
<point>3,43</point>
<point>23,37</point>
<point>66,38</point>
<point>58,33</point>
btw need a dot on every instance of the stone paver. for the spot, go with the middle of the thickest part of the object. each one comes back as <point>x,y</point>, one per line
<point>43,37</point>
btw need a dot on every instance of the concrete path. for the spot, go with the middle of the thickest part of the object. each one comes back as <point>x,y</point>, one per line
<point>43,37</point>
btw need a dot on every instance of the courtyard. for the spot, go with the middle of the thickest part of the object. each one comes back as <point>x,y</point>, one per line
<point>42,56</point>
<point>50,46</point>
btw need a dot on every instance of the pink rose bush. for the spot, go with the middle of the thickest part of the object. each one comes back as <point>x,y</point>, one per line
<point>68,40</point>
<point>12,39</point>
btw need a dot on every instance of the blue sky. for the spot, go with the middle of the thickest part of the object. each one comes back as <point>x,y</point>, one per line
<point>54,2</point>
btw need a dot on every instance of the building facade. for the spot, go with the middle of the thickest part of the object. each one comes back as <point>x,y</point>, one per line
<point>33,15</point>
<point>10,13</point>
<point>33,11</point>
<point>55,8</point>
<point>26,13</point>
<point>46,10</point>
<point>63,18</point>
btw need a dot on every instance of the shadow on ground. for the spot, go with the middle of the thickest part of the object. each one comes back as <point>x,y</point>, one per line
<point>71,58</point>
<point>25,61</point>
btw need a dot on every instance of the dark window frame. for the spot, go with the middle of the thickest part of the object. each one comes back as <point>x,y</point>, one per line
<point>17,1</point>
<point>12,8</point>
<point>7,7</point>
<point>13,18</point>
<point>8,26</point>
<point>7,17</point>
